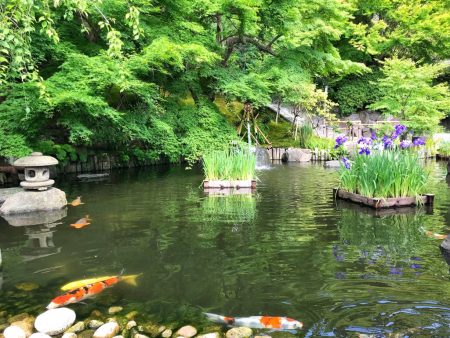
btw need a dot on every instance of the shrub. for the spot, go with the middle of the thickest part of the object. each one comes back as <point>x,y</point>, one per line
<point>444,148</point>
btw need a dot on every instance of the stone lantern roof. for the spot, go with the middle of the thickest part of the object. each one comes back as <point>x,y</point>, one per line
<point>36,159</point>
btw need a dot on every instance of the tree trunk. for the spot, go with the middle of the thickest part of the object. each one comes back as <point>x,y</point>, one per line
<point>219,29</point>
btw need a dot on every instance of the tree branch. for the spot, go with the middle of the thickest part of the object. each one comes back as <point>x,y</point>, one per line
<point>231,41</point>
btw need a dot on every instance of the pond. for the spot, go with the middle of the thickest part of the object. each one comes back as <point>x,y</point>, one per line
<point>287,250</point>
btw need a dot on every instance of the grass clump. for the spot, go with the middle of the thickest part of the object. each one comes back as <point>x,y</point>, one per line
<point>444,148</point>
<point>384,174</point>
<point>231,164</point>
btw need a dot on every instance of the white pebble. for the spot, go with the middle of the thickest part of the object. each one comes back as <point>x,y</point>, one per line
<point>39,335</point>
<point>187,331</point>
<point>55,321</point>
<point>107,330</point>
<point>14,332</point>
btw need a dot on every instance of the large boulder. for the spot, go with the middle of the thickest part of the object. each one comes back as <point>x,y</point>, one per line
<point>297,155</point>
<point>30,201</point>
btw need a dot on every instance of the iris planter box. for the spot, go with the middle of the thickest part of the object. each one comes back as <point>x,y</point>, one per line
<point>229,184</point>
<point>379,203</point>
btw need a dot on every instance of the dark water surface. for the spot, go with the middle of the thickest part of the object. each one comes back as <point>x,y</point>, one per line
<point>287,250</point>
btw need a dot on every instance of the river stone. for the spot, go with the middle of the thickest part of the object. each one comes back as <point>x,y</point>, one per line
<point>14,332</point>
<point>131,315</point>
<point>187,331</point>
<point>140,335</point>
<point>210,335</point>
<point>25,324</point>
<point>78,327</point>
<point>239,332</point>
<point>30,201</point>
<point>55,321</point>
<point>69,335</point>
<point>297,155</point>
<point>107,330</point>
<point>114,309</point>
<point>130,325</point>
<point>39,335</point>
<point>167,333</point>
<point>95,324</point>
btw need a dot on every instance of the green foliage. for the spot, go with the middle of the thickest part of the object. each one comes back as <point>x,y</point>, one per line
<point>305,134</point>
<point>407,91</point>
<point>355,93</point>
<point>444,148</point>
<point>231,164</point>
<point>385,174</point>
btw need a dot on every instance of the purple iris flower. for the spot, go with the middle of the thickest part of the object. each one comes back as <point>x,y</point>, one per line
<point>346,162</point>
<point>387,142</point>
<point>373,136</point>
<point>419,142</point>
<point>364,150</point>
<point>405,144</point>
<point>365,140</point>
<point>415,266</point>
<point>340,140</point>
<point>399,130</point>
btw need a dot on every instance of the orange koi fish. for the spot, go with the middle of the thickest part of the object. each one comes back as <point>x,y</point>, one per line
<point>82,222</point>
<point>89,290</point>
<point>257,322</point>
<point>434,235</point>
<point>76,202</point>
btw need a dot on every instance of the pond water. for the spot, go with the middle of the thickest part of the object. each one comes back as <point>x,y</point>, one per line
<point>287,250</point>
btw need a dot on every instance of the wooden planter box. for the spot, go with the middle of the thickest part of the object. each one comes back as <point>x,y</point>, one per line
<point>379,203</point>
<point>229,184</point>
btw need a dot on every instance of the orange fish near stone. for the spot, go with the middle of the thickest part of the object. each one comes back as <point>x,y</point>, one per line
<point>434,235</point>
<point>257,322</point>
<point>76,202</point>
<point>82,222</point>
<point>89,290</point>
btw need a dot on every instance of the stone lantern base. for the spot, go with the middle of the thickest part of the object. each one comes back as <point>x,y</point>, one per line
<point>44,185</point>
<point>30,201</point>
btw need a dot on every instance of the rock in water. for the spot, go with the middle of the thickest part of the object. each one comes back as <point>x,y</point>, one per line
<point>187,331</point>
<point>239,332</point>
<point>167,333</point>
<point>55,321</point>
<point>69,335</point>
<point>107,330</point>
<point>78,327</point>
<point>14,332</point>
<point>210,335</point>
<point>39,335</point>
<point>114,309</point>
<point>95,324</point>
<point>29,201</point>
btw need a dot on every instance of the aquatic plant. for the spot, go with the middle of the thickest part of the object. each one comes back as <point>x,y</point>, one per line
<point>384,174</point>
<point>305,133</point>
<point>231,164</point>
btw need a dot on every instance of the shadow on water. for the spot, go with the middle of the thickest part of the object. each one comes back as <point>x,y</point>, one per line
<point>285,250</point>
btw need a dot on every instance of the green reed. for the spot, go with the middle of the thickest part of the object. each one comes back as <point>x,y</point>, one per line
<point>385,174</point>
<point>233,164</point>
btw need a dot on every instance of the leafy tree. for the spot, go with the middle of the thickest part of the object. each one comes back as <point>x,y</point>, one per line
<point>408,92</point>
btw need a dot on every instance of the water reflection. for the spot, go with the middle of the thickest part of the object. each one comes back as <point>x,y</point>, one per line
<point>39,228</point>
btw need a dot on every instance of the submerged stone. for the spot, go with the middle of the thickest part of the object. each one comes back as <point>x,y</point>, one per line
<point>167,333</point>
<point>39,335</point>
<point>114,309</point>
<point>55,321</point>
<point>14,332</point>
<point>95,324</point>
<point>187,331</point>
<point>78,327</point>
<point>210,335</point>
<point>69,335</point>
<point>107,330</point>
<point>239,332</point>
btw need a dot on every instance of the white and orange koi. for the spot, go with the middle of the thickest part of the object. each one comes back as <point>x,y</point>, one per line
<point>82,222</point>
<point>257,322</point>
<point>76,202</point>
<point>89,290</point>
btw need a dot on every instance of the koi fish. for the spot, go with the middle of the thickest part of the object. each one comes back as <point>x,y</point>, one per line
<point>129,279</point>
<point>76,202</point>
<point>82,222</point>
<point>88,290</point>
<point>434,235</point>
<point>257,322</point>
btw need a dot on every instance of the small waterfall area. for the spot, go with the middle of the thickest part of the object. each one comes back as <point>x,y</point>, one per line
<point>262,158</point>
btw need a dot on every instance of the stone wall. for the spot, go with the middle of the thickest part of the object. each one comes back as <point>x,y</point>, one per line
<point>95,163</point>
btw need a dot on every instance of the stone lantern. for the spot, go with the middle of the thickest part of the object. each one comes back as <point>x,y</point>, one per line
<point>37,171</point>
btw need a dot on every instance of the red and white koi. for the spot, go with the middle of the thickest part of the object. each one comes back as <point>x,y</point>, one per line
<point>89,290</point>
<point>257,322</point>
